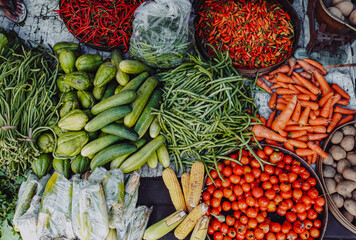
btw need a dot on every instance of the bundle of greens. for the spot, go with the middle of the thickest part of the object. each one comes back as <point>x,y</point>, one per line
<point>27,101</point>
<point>207,110</point>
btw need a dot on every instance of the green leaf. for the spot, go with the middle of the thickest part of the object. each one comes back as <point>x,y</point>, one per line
<point>7,232</point>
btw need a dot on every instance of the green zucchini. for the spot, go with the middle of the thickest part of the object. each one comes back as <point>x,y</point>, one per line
<point>107,117</point>
<point>121,77</point>
<point>139,158</point>
<point>98,92</point>
<point>121,98</point>
<point>163,156</point>
<point>110,90</point>
<point>143,94</point>
<point>121,131</point>
<point>135,83</point>
<point>110,153</point>
<point>155,128</point>
<point>133,67</point>
<point>152,160</point>
<point>117,161</point>
<point>99,144</point>
<point>146,118</point>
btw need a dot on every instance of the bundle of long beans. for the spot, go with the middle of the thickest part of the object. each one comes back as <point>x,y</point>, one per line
<point>27,103</point>
<point>207,110</point>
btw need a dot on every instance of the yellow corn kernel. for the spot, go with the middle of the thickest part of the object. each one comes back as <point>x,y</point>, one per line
<point>201,229</point>
<point>185,180</point>
<point>175,191</point>
<point>195,185</point>
<point>183,229</point>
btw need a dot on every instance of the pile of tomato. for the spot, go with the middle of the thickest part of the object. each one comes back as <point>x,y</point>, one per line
<point>279,203</point>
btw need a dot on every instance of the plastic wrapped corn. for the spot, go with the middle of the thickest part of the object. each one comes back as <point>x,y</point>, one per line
<point>138,224</point>
<point>54,220</point>
<point>89,211</point>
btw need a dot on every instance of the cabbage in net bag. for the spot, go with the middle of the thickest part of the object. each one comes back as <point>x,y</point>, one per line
<point>162,32</point>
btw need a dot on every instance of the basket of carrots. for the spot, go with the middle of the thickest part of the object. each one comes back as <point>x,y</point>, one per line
<point>305,108</point>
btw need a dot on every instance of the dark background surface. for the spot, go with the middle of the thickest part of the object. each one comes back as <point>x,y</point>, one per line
<point>154,193</point>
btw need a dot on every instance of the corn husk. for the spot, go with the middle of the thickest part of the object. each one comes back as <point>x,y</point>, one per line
<point>138,223</point>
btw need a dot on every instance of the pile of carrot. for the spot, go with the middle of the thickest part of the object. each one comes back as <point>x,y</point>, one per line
<point>309,106</point>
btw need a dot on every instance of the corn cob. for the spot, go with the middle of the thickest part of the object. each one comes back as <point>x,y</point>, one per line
<point>196,185</point>
<point>175,191</point>
<point>161,228</point>
<point>185,180</point>
<point>201,229</point>
<point>190,221</point>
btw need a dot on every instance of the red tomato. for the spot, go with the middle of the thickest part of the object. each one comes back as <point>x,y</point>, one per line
<point>267,185</point>
<point>317,223</point>
<point>208,181</point>
<point>304,235</point>
<point>246,187</point>
<point>313,193</point>
<point>320,201</point>
<point>227,192</point>
<point>226,206</point>
<point>227,171</point>
<point>296,184</point>
<point>292,235</point>
<point>218,194</point>
<point>295,168</point>
<point>250,235</point>
<point>255,164</point>
<point>238,170</point>
<point>281,165</point>
<point>251,213</point>
<point>235,206</point>
<point>269,169</point>
<point>227,162</point>
<point>215,224</point>
<point>273,179</point>
<point>305,175</point>
<point>250,201</point>
<point>245,160</point>
<point>263,202</point>
<point>302,216</point>
<point>259,234</point>
<point>244,220</point>
<point>314,233</point>
<point>308,224</point>
<point>252,223</point>
<point>232,198</point>
<point>234,156</point>
<point>268,150</point>
<point>285,186</point>
<point>286,227</point>
<point>283,177</point>
<point>226,183</point>
<point>291,217</point>
<point>275,227</point>
<point>271,236</point>
<point>311,181</point>
<point>265,227</point>
<point>275,157</point>
<point>237,215</point>
<point>297,193</point>
<point>238,190</point>
<point>218,236</point>
<point>215,202</point>
<point>234,179</point>
<point>210,189</point>
<point>215,211</point>
<point>300,207</point>
<point>214,174</point>
<point>206,196</point>
<point>230,221</point>
<point>264,177</point>
<point>271,207</point>
<point>249,178</point>
<point>256,172</point>
<point>298,227</point>
<point>224,228</point>
<point>221,166</point>
<point>312,214</point>
<point>210,230</point>
<point>242,204</point>
<point>270,194</point>
<point>281,212</point>
<point>280,236</point>
<point>218,183</point>
<point>288,159</point>
<point>257,192</point>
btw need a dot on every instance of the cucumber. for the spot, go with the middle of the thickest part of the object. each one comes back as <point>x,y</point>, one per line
<point>98,92</point>
<point>110,153</point>
<point>99,144</point>
<point>110,90</point>
<point>152,160</point>
<point>121,98</point>
<point>155,128</point>
<point>135,83</point>
<point>138,105</point>
<point>146,118</point>
<point>139,158</point>
<point>118,89</point>
<point>163,156</point>
<point>120,131</point>
<point>117,161</point>
<point>107,117</point>
<point>121,77</point>
<point>133,67</point>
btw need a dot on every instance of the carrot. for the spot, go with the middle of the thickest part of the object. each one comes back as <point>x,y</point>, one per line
<point>282,100</point>
<point>307,84</point>
<point>340,91</point>
<point>317,113</point>
<point>303,120</point>
<point>319,129</point>
<point>312,115</point>
<point>281,69</point>
<point>291,123</point>
<point>282,119</point>
<point>261,131</point>
<point>296,81</point>
<point>258,139</point>
<point>316,64</point>
<point>282,91</point>
<point>307,67</point>
<point>313,137</point>
<point>282,133</point>
<point>281,106</point>
<point>343,102</point>
<point>313,146</point>
<point>297,66</point>
<point>326,109</point>
<point>313,105</point>
<point>305,97</point>
<point>280,77</point>
<point>324,99</point>
<point>346,119</point>
<point>297,134</point>
<point>314,82</point>
<point>336,118</point>
<point>270,119</point>
<point>310,159</point>
<point>303,138</point>
<point>335,99</point>
<point>292,62</point>
<point>266,77</point>
<point>344,110</point>
<point>304,152</point>
<point>313,97</point>
<point>263,120</point>
<point>263,85</point>
<point>272,142</point>
<point>296,113</point>
<point>298,128</point>
<point>331,113</point>
<point>319,121</point>
<point>306,75</point>
<point>315,158</point>
<point>324,85</point>
<point>288,146</point>
<point>272,101</point>
<point>298,144</point>
<point>275,86</point>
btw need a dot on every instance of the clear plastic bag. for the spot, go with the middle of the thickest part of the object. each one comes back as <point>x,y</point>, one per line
<point>162,32</point>
<point>138,224</point>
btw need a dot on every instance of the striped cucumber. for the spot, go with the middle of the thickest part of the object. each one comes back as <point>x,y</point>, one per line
<point>107,117</point>
<point>117,161</point>
<point>133,67</point>
<point>135,83</point>
<point>110,153</point>
<point>110,90</point>
<point>121,131</point>
<point>99,144</point>
<point>155,128</point>
<point>139,158</point>
<point>121,77</point>
<point>163,156</point>
<point>152,160</point>
<point>147,117</point>
<point>143,94</point>
<point>121,98</point>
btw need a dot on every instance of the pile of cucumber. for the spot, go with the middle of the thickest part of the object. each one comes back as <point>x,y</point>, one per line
<point>106,114</point>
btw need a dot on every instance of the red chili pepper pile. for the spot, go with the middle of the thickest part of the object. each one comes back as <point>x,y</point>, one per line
<point>100,22</point>
<point>256,33</point>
